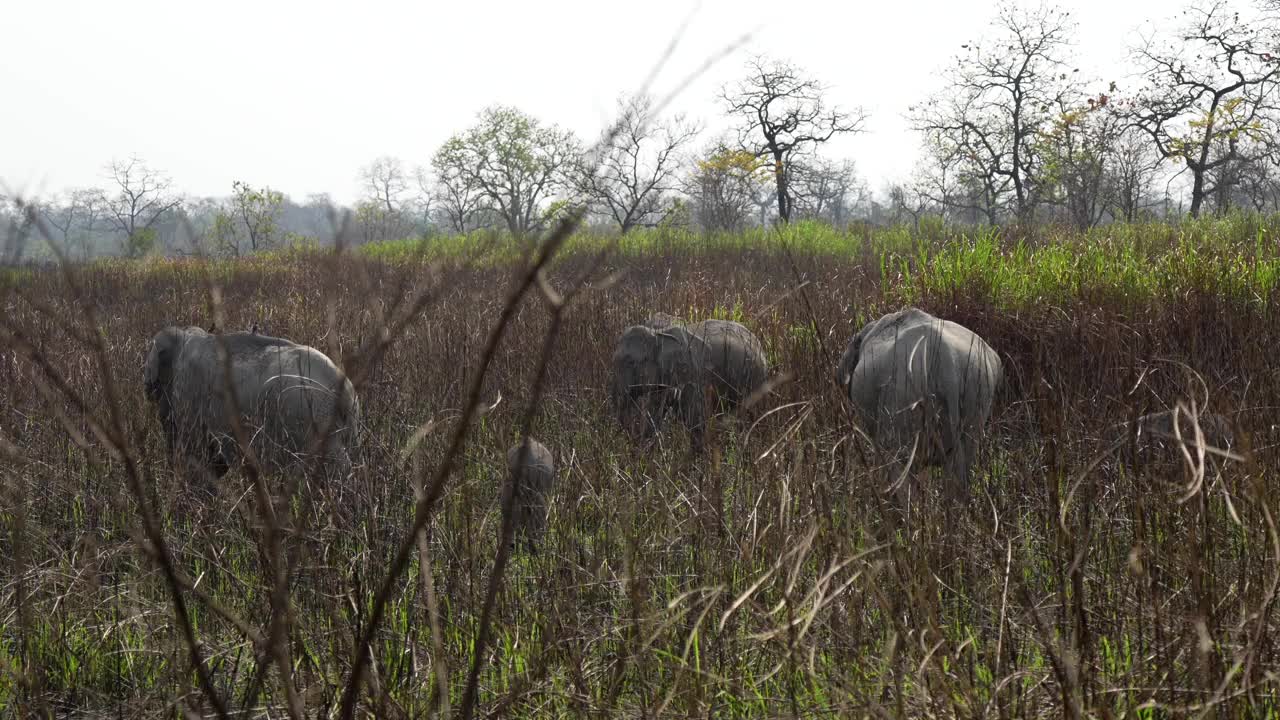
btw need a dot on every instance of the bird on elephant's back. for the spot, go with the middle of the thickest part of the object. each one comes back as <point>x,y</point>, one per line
<point>668,365</point>
<point>291,399</point>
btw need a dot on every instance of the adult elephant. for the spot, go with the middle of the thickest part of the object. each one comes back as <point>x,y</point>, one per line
<point>922,385</point>
<point>292,400</point>
<point>667,365</point>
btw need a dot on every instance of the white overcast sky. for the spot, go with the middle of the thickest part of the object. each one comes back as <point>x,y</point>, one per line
<point>299,95</point>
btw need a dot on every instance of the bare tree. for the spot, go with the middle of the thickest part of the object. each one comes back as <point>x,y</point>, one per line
<point>961,182</point>
<point>424,200</point>
<point>142,196</point>
<point>512,161</point>
<point>827,190</point>
<point>1001,93</point>
<point>783,115</point>
<point>456,198</point>
<point>381,212</point>
<point>1130,175</point>
<point>764,197</point>
<point>60,214</point>
<point>907,202</point>
<point>75,217</point>
<point>385,180</point>
<point>1209,99</point>
<point>1256,186</point>
<point>636,170</point>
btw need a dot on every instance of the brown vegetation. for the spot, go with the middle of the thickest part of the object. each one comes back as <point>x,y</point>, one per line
<point>770,577</point>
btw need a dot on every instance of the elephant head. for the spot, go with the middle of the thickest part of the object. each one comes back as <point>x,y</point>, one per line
<point>654,371</point>
<point>635,375</point>
<point>157,373</point>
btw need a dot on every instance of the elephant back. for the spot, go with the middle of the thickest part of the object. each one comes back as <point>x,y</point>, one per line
<point>911,357</point>
<point>731,355</point>
<point>301,388</point>
<point>538,469</point>
<point>286,393</point>
<point>531,478</point>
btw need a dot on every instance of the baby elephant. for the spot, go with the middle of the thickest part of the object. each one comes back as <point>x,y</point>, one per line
<point>532,477</point>
<point>1157,434</point>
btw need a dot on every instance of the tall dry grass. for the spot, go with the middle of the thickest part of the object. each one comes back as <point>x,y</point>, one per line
<point>768,578</point>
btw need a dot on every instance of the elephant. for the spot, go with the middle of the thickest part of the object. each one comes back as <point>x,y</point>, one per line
<point>668,364</point>
<point>533,479</point>
<point>919,382</point>
<point>285,393</point>
<point>1155,434</point>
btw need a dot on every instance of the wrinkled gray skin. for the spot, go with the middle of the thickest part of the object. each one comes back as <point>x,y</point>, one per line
<point>911,376</point>
<point>286,393</point>
<point>667,365</point>
<point>536,475</point>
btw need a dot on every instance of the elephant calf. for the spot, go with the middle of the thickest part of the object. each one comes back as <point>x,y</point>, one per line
<point>666,364</point>
<point>286,393</point>
<point>533,478</point>
<point>1155,433</point>
<point>916,381</point>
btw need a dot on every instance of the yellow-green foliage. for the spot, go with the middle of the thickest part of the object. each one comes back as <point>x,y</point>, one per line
<point>1134,262</point>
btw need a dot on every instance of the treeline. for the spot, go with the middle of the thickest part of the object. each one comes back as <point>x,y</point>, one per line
<point>1015,133</point>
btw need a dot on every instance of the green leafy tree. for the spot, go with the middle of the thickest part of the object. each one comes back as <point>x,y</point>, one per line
<point>223,233</point>
<point>1078,148</point>
<point>512,161</point>
<point>723,186</point>
<point>258,210</point>
<point>141,242</point>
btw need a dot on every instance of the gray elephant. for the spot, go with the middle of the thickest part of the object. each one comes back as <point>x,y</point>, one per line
<point>286,394</point>
<point>667,365</point>
<point>915,380</point>
<point>533,478</point>
<point>1155,434</point>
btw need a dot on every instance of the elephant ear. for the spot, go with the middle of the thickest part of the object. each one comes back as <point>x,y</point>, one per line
<point>636,351</point>
<point>671,349</point>
<point>852,354</point>
<point>158,372</point>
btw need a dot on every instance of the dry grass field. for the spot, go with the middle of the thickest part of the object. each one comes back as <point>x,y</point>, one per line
<point>770,577</point>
